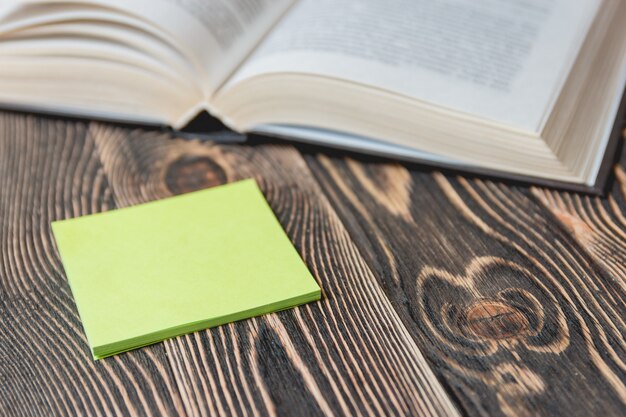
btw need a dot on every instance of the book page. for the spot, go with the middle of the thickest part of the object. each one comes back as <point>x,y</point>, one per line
<point>232,29</point>
<point>214,35</point>
<point>500,60</point>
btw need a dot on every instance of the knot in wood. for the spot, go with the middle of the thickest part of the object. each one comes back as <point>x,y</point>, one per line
<point>495,320</point>
<point>192,172</point>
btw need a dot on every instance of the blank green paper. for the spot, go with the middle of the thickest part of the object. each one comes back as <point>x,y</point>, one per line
<point>161,269</point>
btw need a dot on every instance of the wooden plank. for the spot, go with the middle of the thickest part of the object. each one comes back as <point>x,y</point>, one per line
<point>346,355</point>
<point>513,315</point>
<point>48,171</point>
<point>598,224</point>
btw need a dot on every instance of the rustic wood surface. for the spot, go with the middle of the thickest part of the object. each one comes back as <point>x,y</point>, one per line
<point>442,296</point>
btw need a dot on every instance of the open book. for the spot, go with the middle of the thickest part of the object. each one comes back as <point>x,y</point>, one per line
<point>523,88</point>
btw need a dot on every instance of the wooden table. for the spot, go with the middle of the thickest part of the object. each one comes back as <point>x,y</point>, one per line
<point>443,296</point>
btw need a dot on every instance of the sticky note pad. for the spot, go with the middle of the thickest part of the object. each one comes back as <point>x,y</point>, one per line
<point>157,270</point>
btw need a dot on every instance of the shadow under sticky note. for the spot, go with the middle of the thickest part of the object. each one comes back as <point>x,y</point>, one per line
<point>161,269</point>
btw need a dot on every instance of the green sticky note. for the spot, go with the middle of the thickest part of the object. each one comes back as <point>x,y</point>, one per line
<point>161,269</point>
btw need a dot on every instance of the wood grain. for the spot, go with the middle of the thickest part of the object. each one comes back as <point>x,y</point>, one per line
<point>348,354</point>
<point>514,316</point>
<point>442,296</point>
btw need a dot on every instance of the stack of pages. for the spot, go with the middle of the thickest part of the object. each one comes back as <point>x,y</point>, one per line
<point>525,89</point>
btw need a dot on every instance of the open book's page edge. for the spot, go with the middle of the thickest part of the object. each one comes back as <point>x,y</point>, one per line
<point>613,146</point>
<point>616,115</point>
<point>74,113</point>
<point>375,148</point>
